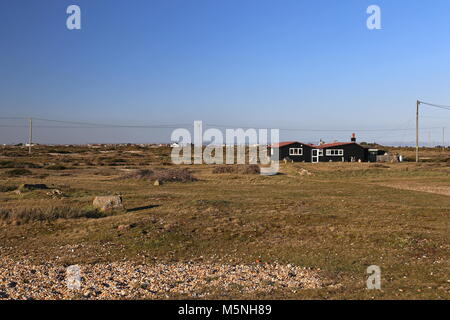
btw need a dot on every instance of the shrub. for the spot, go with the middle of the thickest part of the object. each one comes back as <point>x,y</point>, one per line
<point>25,215</point>
<point>56,167</point>
<point>379,165</point>
<point>224,169</point>
<point>58,151</point>
<point>18,173</point>
<point>173,175</point>
<point>4,214</point>
<point>163,175</point>
<point>8,164</point>
<point>238,169</point>
<point>114,161</point>
<point>32,187</point>
<point>139,174</point>
<point>7,188</point>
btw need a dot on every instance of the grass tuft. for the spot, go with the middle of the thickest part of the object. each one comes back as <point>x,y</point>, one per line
<point>26,214</point>
<point>238,169</point>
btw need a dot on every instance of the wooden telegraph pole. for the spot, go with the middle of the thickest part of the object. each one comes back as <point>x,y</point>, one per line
<point>31,136</point>
<point>417,131</point>
<point>443,139</point>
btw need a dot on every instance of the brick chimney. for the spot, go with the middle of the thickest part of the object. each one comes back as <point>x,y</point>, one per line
<point>353,138</point>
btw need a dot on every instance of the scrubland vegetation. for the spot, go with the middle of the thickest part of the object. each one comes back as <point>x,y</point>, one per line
<point>337,220</point>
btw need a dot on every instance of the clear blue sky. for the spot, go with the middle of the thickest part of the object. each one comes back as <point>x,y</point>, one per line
<point>309,64</point>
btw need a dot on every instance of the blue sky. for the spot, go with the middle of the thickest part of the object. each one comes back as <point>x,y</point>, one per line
<point>308,64</point>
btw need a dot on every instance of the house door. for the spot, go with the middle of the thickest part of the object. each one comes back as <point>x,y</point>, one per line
<point>315,156</point>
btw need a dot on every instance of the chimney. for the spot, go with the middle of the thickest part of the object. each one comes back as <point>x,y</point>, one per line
<point>353,138</point>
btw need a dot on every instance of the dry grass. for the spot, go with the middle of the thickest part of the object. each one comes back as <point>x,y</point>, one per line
<point>162,175</point>
<point>18,173</point>
<point>340,220</point>
<point>237,169</point>
<point>20,215</point>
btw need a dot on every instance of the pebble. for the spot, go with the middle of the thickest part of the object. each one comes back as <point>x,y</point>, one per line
<point>128,280</point>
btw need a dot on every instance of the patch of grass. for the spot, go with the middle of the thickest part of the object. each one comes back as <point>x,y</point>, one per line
<point>238,169</point>
<point>139,174</point>
<point>56,167</point>
<point>22,215</point>
<point>7,188</point>
<point>344,218</point>
<point>10,164</point>
<point>31,187</point>
<point>379,165</point>
<point>18,173</point>
<point>173,175</point>
<point>163,175</point>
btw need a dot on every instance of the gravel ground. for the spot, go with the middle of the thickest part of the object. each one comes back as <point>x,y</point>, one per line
<point>126,280</point>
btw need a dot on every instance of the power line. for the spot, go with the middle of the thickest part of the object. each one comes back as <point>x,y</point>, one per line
<point>418,103</point>
<point>435,105</point>
<point>89,125</point>
<point>92,127</point>
<point>322,130</point>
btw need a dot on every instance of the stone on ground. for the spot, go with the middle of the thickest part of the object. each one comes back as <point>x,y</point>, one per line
<point>108,203</point>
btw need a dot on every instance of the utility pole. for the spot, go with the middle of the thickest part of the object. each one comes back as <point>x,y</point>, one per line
<point>417,131</point>
<point>443,139</point>
<point>31,136</point>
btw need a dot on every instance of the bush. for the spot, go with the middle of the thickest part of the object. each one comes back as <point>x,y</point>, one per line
<point>56,167</point>
<point>32,187</point>
<point>238,169</point>
<point>163,175</point>
<point>173,175</point>
<point>224,169</point>
<point>8,164</point>
<point>7,188</point>
<point>139,174</point>
<point>18,173</point>
<point>25,215</point>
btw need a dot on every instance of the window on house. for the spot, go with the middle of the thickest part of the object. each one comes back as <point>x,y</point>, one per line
<point>296,151</point>
<point>334,152</point>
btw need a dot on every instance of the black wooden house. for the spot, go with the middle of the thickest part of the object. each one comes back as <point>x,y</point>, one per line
<point>331,152</point>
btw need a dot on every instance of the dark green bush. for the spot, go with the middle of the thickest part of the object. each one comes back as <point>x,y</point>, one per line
<point>7,188</point>
<point>56,167</point>
<point>8,164</point>
<point>18,173</point>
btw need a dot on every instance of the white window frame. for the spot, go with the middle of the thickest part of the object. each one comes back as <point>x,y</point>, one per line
<point>335,152</point>
<point>295,151</point>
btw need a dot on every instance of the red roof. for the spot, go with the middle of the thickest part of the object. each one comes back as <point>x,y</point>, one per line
<point>323,146</point>
<point>284,144</point>
<point>334,144</point>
